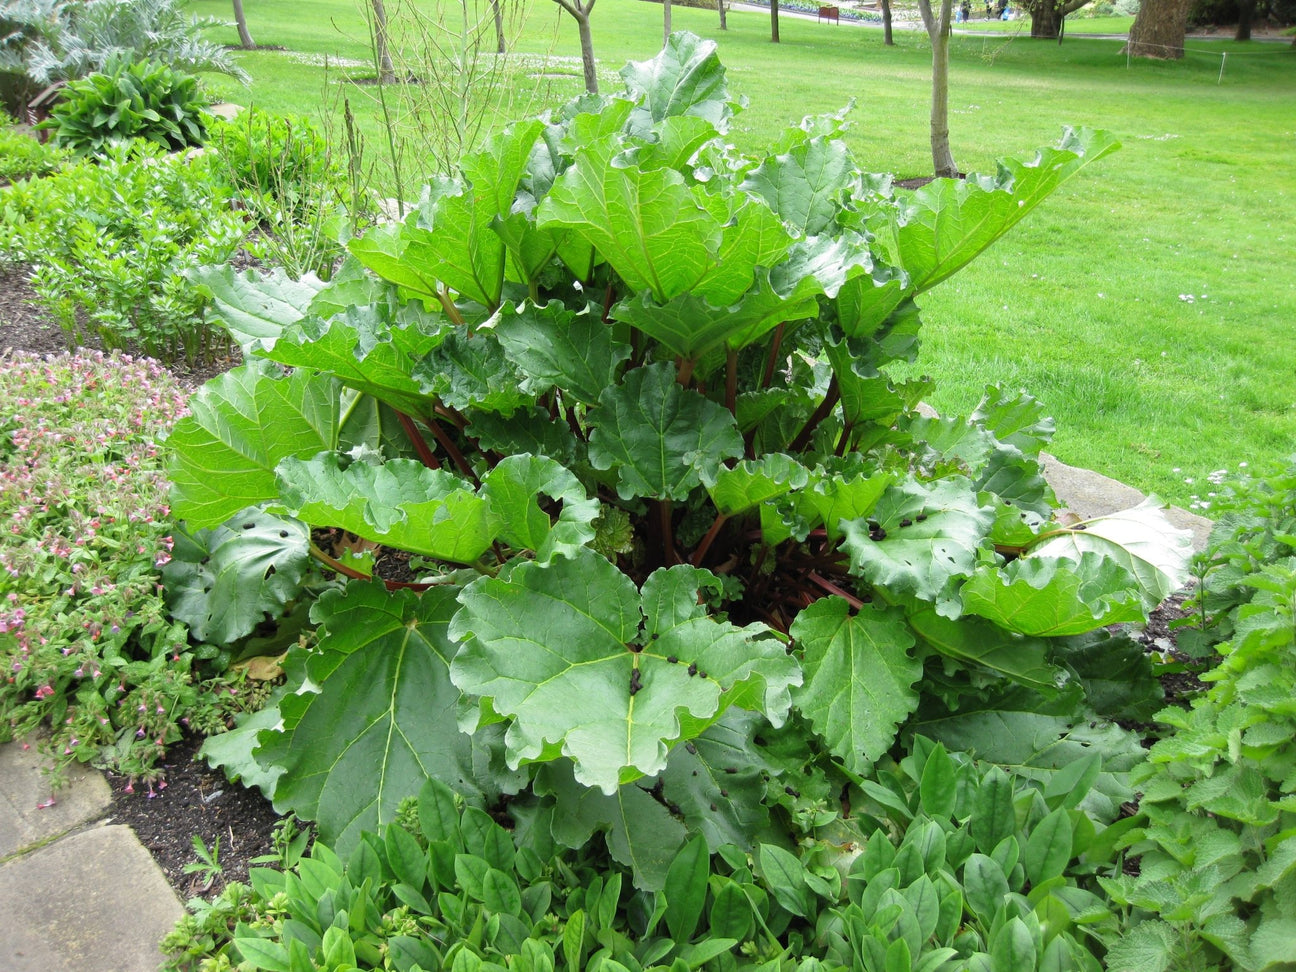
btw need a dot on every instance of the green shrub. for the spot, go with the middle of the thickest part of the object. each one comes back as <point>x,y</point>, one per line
<point>87,647</point>
<point>22,156</point>
<point>142,100</point>
<point>108,241</point>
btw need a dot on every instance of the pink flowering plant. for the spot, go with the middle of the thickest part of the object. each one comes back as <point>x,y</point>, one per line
<point>86,643</point>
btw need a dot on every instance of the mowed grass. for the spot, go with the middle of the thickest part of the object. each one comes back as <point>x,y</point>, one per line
<point>1150,304</point>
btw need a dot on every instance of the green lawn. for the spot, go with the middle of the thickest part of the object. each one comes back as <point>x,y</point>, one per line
<point>1150,304</point>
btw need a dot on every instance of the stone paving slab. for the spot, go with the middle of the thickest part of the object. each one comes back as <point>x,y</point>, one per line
<point>27,818</point>
<point>91,902</point>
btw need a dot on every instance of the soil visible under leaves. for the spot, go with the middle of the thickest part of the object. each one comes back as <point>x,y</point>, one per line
<point>194,799</point>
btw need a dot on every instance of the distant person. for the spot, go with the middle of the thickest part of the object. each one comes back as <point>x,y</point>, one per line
<point>1007,14</point>
<point>967,11</point>
<point>989,12</point>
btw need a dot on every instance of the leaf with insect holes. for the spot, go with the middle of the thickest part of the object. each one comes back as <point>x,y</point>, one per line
<point>240,426</point>
<point>224,582</point>
<point>376,715</point>
<point>658,437</point>
<point>558,650</point>
<point>1041,596</point>
<point>401,503</point>
<point>925,543</point>
<point>859,677</point>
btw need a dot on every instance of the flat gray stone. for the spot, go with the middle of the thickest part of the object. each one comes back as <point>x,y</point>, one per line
<point>91,902</point>
<point>27,818</point>
<point>1088,494</point>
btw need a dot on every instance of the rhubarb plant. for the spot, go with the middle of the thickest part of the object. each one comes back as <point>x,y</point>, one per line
<point>617,397</point>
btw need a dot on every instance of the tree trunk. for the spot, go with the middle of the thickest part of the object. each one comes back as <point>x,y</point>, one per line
<point>887,39</point>
<point>721,5</point>
<point>245,38</point>
<point>774,21</point>
<point>1045,20</point>
<point>666,21</point>
<point>938,30</point>
<point>386,73</point>
<point>1159,29</point>
<point>1246,12</point>
<point>587,51</point>
<point>497,9</point>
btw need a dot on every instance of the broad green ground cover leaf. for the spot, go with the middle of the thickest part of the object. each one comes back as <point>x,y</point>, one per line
<point>1141,540</point>
<point>255,306</point>
<point>556,648</point>
<point>640,832</point>
<point>376,715</point>
<point>927,543</point>
<point>576,352</point>
<point>1041,596</point>
<point>240,426</point>
<point>859,677</point>
<point>401,503</point>
<point>659,437</point>
<point>224,582</point>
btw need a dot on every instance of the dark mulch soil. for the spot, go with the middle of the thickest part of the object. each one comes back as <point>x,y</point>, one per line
<point>193,799</point>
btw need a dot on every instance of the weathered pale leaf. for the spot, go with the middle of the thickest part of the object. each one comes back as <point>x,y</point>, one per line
<point>925,542</point>
<point>512,489</point>
<point>223,582</point>
<point>859,677</point>
<point>1036,595</point>
<point>241,424</point>
<point>659,437</point>
<point>400,503</point>
<point>555,346</point>
<point>255,305</point>
<point>1141,540</point>
<point>556,649</point>
<point>376,716</point>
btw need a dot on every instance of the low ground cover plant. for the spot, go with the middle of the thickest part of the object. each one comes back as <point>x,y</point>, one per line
<point>23,156</point>
<point>107,241</point>
<point>87,645</point>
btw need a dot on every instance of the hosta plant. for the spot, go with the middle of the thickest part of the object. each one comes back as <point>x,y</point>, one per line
<point>618,395</point>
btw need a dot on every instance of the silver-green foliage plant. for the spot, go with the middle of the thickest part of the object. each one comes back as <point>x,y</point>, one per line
<point>633,422</point>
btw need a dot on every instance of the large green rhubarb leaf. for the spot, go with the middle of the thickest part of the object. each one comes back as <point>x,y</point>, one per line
<point>970,639</point>
<point>640,832</point>
<point>255,306</point>
<point>362,349</point>
<point>660,437</point>
<point>859,677</point>
<point>513,488</point>
<point>553,345</point>
<point>686,78</point>
<point>1052,598</point>
<point>400,503</point>
<point>471,371</point>
<point>752,482</point>
<point>376,715</point>
<point>224,582</point>
<point>1141,540</point>
<point>241,424</point>
<point>808,186</point>
<point>948,222</point>
<point>922,540</point>
<point>557,648</point>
